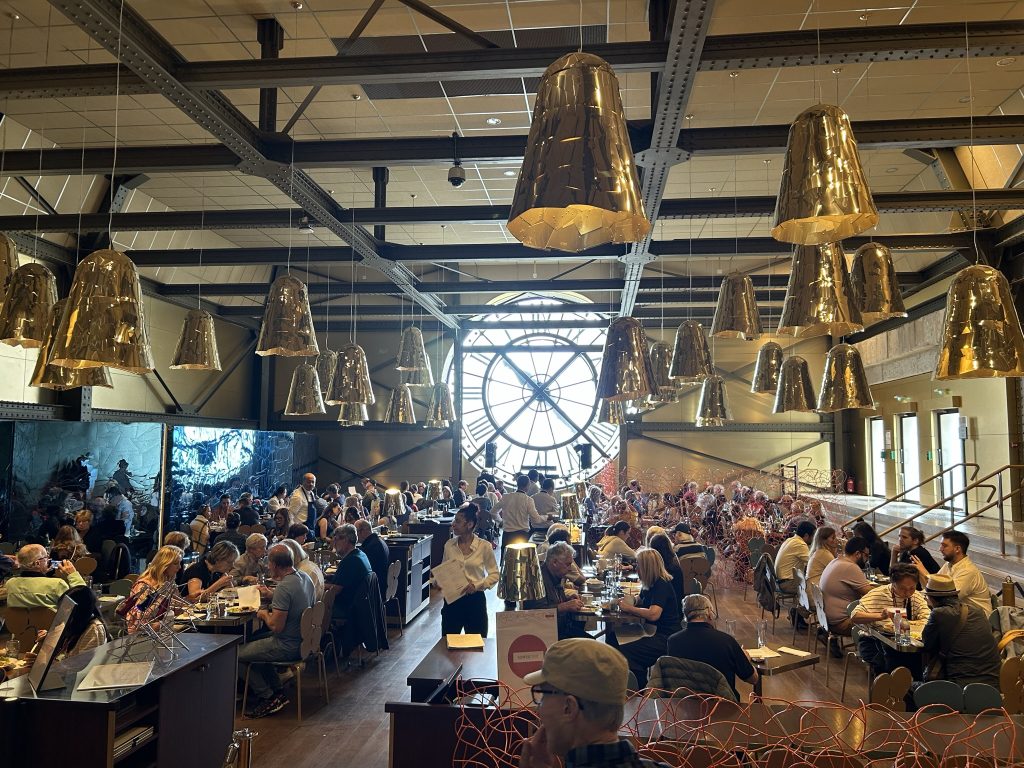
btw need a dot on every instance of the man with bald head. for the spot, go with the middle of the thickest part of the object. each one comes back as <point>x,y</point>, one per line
<point>39,586</point>
<point>302,502</point>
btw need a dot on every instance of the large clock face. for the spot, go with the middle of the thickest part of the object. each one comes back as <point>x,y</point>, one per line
<point>533,392</point>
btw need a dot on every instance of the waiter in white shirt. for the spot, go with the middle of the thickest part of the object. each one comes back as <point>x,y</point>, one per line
<point>545,501</point>
<point>518,514</point>
<point>302,502</point>
<point>469,612</point>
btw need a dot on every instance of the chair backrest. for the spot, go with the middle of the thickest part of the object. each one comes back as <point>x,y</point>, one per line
<point>25,623</point>
<point>122,587</point>
<point>819,605</point>
<point>312,628</point>
<point>681,677</point>
<point>770,551</point>
<point>1011,684</point>
<point>106,548</point>
<point>119,562</point>
<point>941,692</point>
<point>710,553</point>
<point>86,565</point>
<point>980,696</point>
<point>889,689</point>
<point>756,547</point>
<point>245,530</point>
<point>330,593</point>
<point>701,570</point>
<point>258,529</point>
<point>803,596</point>
<point>394,571</point>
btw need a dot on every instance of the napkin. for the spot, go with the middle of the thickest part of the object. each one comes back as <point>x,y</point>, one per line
<point>249,598</point>
<point>759,654</point>
<point>794,651</point>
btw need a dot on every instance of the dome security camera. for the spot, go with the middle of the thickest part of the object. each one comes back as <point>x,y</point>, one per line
<point>457,175</point>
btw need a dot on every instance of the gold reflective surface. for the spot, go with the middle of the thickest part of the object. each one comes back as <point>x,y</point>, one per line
<point>736,314</point>
<point>691,358</point>
<point>25,315</point>
<point>412,354</point>
<point>326,365</point>
<point>104,323</point>
<point>8,262</point>
<point>625,364</point>
<point>824,196</point>
<point>351,383</point>
<point>766,369</point>
<point>844,383</point>
<point>304,398</point>
<point>352,415</point>
<point>612,412</point>
<point>433,490</point>
<point>520,573</point>
<point>794,392</point>
<point>570,506</point>
<point>981,333</point>
<point>197,344</point>
<point>713,408</point>
<point>578,185</point>
<point>400,410</point>
<point>441,411</point>
<point>581,491</point>
<point>661,361</point>
<point>421,377</point>
<point>876,291</point>
<point>57,378</point>
<point>287,328</point>
<point>819,297</point>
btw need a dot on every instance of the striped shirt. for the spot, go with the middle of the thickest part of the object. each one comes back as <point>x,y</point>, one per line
<point>915,609</point>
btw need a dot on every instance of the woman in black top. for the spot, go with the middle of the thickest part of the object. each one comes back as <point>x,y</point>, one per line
<point>657,605</point>
<point>199,577</point>
<point>879,550</point>
<point>660,544</point>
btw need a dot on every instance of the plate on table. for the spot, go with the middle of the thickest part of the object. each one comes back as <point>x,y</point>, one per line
<point>237,610</point>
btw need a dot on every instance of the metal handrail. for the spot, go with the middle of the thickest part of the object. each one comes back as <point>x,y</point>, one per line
<point>1000,503</point>
<point>873,510</point>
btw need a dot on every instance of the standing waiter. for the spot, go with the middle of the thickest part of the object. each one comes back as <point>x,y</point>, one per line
<point>302,502</point>
<point>517,514</point>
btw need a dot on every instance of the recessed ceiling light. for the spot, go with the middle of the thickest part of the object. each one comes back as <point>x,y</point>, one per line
<point>891,170</point>
<point>510,173</point>
<point>1005,62</point>
<point>494,121</point>
<point>965,99</point>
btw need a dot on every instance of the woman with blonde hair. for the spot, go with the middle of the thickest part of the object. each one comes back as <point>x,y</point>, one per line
<point>656,605</point>
<point>67,544</point>
<point>164,568</point>
<point>824,546</point>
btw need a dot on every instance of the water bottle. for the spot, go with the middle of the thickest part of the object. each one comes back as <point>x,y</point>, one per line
<point>900,628</point>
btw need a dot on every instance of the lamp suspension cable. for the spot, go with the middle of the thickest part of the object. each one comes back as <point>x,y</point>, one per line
<point>42,129</point>
<point>974,170</point>
<point>202,239</point>
<point>291,204</point>
<point>352,277</point>
<point>117,113</point>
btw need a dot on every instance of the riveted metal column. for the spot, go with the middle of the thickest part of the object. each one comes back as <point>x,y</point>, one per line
<point>270,35</point>
<point>457,352</point>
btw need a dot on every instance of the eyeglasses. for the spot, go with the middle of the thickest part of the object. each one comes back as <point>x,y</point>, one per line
<point>537,693</point>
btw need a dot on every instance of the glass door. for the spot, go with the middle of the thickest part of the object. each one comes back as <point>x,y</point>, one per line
<point>910,467</point>
<point>877,450</point>
<point>951,453</point>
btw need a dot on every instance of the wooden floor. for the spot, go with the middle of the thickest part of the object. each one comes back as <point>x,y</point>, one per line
<point>353,728</point>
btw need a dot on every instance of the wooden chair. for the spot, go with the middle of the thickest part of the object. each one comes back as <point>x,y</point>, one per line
<point>86,565</point>
<point>122,587</point>
<point>780,599</point>
<point>853,653</point>
<point>819,610</point>
<point>889,689</point>
<point>697,575</point>
<point>755,548</point>
<point>803,598</point>
<point>391,596</point>
<point>1011,684</point>
<point>25,623</point>
<point>330,593</point>
<point>261,529</point>
<point>132,577</point>
<point>312,628</point>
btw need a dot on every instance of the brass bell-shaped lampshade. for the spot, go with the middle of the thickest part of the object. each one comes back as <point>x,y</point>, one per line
<point>981,333</point>
<point>736,315</point>
<point>104,323</point>
<point>713,408</point>
<point>824,196</point>
<point>625,364</point>
<point>287,328</point>
<point>819,298</point>
<point>8,262</point>
<point>441,411</point>
<point>612,412</point>
<point>661,361</point>
<point>845,383</point>
<point>794,392</point>
<point>691,358</point>
<point>421,377</point>
<point>197,345</point>
<point>353,415</point>
<point>304,398</point>
<point>876,291</point>
<point>25,315</point>
<point>400,410</point>
<point>412,353</point>
<point>351,383</point>
<point>578,186</point>
<point>59,379</point>
<point>326,364</point>
<point>766,369</point>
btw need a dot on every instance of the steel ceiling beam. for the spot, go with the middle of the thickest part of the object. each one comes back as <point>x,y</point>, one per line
<point>139,47</point>
<point>722,52</point>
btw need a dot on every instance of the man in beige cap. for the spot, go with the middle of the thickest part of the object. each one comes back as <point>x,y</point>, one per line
<point>580,693</point>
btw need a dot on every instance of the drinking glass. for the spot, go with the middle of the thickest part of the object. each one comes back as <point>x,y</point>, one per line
<point>762,633</point>
<point>730,627</point>
<point>13,648</point>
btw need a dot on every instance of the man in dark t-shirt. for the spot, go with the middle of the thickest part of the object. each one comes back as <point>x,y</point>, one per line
<point>700,641</point>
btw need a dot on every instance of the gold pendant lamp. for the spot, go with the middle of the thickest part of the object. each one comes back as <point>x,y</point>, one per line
<point>625,363</point>
<point>981,333</point>
<point>59,379</point>
<point>876,290</point>
<point>419,378</point>
<point>353,415</point>
<point>304,398</point>
<point>844,383</point>
<point>578,186</point>
<point>104,323</point>
<point>8,262</point>
<point>25,315</point>
<point>819,297</point>
<point>441,411</point>
<point>412,354</point>
<point>351,383</point>
<point>736,315</point>
<point>326,365</point>
<point>661,361</point>
<point>794,392</point>
<point>691,358</point>
<point>824,196</point>
<point>611,412</point>
<point>197,345</point>
<point>400,409</point>
<point>713,408</point>
<point>766,369</point>
<point>287,328</point>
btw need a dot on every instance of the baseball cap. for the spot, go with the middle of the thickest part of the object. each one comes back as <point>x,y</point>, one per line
<point>940,586</point>
<point>588,669</point>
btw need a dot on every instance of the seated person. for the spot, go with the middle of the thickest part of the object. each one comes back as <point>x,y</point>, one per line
<point>376,552</point>
<point>251,566</point>
<point>201,579</point>
<point>959,567</point>
<point>879,605</point>
<point>350,578</point>
<point>304,565</point>
<point>879,551</point>
<point>149,597</point>
<point>292,595</point>
<point>960,632</point>
<point>84,630</point>
<point>199,529</point>
<point>792,556</point>
<point>39,585</point>
<point>699,640</point>
<point>911,545</point>
<point>246,513</point>
<point>298,532</point>
<point>842,582</point>
<point>67,545</point>
<point>282,521</point>
<point>231,533</point>
<point>557,565</point>
<point>685,545</point>
<point>614,541</point>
